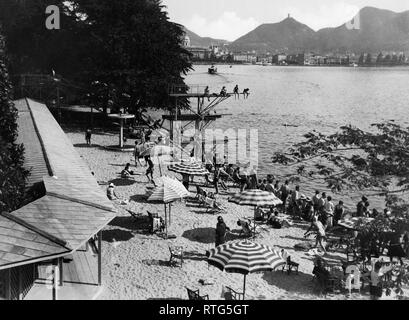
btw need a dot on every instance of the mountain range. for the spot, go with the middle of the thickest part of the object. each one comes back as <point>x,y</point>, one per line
<point>198,41</point>
<point>379,30</point>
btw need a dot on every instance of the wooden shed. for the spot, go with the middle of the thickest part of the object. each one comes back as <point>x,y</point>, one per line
<point>68,208</point>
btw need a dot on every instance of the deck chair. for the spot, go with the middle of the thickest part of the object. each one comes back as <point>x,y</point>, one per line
<point>231,294</point>
<point>290,265</point>
<point>212,206</point>
<point>156,224</point>
<point>175,254</point>
<point>194,295</point>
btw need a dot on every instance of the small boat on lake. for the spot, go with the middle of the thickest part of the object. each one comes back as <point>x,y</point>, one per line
<point>212,70</point>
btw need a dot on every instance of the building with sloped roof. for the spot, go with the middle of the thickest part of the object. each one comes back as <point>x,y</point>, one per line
<point>68,209</point>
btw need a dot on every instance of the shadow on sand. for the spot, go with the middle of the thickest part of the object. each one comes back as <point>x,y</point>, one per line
<point>201,235</point>
<point>132,224</point>
<point>122,182</point>
<point>116,235</point>
<point>299,284</point>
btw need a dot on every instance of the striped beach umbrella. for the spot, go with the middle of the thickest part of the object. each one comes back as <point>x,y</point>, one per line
<point>189,168</point>
<point>167,191</point>
<point>245,257</point>
<point>255,198</point>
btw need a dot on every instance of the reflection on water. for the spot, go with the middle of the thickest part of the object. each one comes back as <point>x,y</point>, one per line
<point>287,102</point>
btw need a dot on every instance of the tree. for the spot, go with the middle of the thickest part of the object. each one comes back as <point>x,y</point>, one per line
<point>388,59</point>
<point>395,59</point>
<point>12,174</point>
<point>129,45</point>
<point>368,59</point>
<point>379,59</point>
<point>361,59</point>
<point>376,161</point>
<point>133,48</point>
<point>32,48</point>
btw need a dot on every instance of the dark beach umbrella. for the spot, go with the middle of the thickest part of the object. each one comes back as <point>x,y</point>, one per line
<point>245,257</point>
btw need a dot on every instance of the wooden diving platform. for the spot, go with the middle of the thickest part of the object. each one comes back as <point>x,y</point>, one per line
<point>193,117</point>
<point>202,95</point>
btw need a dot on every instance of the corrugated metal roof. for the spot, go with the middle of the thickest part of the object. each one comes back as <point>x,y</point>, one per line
<point>74,208</point>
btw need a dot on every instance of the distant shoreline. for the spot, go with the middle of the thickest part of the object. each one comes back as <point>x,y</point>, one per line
<point>297,65</point>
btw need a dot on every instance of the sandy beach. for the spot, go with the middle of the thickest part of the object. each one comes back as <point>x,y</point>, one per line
<point>135,263</point>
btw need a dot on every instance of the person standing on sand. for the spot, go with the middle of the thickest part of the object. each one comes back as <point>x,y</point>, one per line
<point>338,212</point>
<point>316,200</point>
<point>149,171</point>
<point>137,154</point>
<point>236,92</point>
<point>285,192</point>
<point>320,233</point>
<point>329,211</point>
<point>221,230</point>
<point>88,134</point>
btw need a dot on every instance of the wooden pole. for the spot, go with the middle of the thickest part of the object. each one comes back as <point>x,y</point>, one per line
<point>244,287</point>
<point>20,284</point>
<point>99,263</point>
<point>60,263</point>
<point>8,285</point>
<point>166,222</point>
<point>54,289</point>
<point>170,218</point>
<point>160,167</point>
<point>121,134</point>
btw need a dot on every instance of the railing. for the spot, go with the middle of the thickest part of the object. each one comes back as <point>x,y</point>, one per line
<point>187,89</point>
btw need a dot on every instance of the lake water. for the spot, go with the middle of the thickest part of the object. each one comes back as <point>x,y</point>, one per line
<point>306,98</point>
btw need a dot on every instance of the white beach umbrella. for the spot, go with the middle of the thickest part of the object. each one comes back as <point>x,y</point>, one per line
<point>167,191</point>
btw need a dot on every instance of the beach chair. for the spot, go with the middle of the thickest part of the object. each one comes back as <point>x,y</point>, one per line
<point>231,294</point>
<point>134,215</point>
<point>194,295</point>
<point>290,265</point>
<point>212,206</point>
<point>176,253</point>
<point>156,224</point>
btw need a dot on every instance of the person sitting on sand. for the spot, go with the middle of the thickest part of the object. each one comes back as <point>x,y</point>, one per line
<point>223,92</point>
<point>111,193</point>
<point>127,173</point>
<point>320,233</point>
<point>274,221</point>
<point>221,230</point>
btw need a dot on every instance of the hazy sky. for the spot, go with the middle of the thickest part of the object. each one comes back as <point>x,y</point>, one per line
<point>230,19</point>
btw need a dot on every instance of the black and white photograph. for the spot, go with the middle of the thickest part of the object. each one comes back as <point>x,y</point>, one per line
<point>229,151</point>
